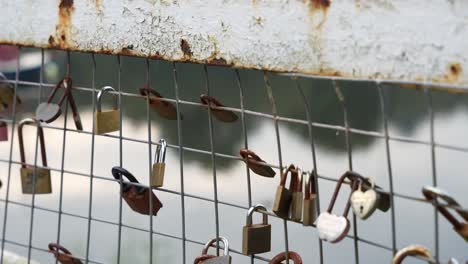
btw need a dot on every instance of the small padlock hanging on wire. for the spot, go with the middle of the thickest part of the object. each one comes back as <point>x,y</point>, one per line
<point>205,258</point>
<point>256,238</point>
<point>63,255</point>
<point>159,165</point>
<point>109,120</point>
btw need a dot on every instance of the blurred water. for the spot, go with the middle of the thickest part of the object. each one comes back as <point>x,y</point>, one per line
<point>411,164</point>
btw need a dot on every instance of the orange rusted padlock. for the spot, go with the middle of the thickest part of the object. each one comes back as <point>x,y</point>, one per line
<point>137,197</point>
<point>256,164</point>
<point>62,254</point>
<point>432,193</point>
<point>221,114</point>
<point>164,108</point>
<point>413,250</point>
<point>278,259</point>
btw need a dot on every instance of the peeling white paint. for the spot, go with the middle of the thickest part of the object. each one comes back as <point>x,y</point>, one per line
<point>391,39</point>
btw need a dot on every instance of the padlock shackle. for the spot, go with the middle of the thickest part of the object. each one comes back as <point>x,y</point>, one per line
<point>161,148</point>
<point>56,248</point>
<point>67,84</point>
<point>210,101</point>
<point>252,210</point>
<point>432,193</point>
<point>413,250</point>
<point>354,185</point>
<point>294,177</point>
<point>250,156</point>
<point>278,259</point>
<point>310,184</point>
<point>106,89</point>
<point>62,254</point>
<point>252,160</point>
<point>213,241</point>
<point>40,132</point>
<point>118,172</point>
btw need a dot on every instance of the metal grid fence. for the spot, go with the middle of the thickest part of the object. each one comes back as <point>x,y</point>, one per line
<point>273,116</point>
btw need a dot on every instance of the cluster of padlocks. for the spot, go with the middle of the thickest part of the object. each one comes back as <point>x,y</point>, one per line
<point>297,203</point>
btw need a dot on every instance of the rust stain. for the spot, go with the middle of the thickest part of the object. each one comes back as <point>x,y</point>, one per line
<point>98,4</point>
<point>455,69</point>
<point>63,28</point>
<point>320,4</point>
<point>184,45</point>
<point>318,12</point>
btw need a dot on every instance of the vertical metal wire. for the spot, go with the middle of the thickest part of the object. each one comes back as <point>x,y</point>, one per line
<point>181,159</point>
<point>10,155</point>
<point>150,189</point>
<point>314,157</point>
<point>274,112</point>
<point>342,100</point>
<point>62,166</point>
<point>246,143</point>
<point>213,158</point>
<point>91,172</point>
<point>119,89</point>
<point>389,162</point>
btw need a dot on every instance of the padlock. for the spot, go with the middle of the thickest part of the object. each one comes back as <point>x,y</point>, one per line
<point>33,179</point>
<point>3,131</point>
<point>297,198</point>
<point>7,95</point>
<point>283,195</point>
<point>159,165</point>
<point>256,164</point>
<point>212,259</point>
<point>49,112</point>
<point>164,108</point>
<point>106,121</point>
<point>256,238</point>
<point>137,197</point>
<point>364,203</point>
<point>331,227</point>
<point>310,199</point>
<point>432,193</point>
<point>62,254</point>
<point>413,250</point>
<point>220,114</point>
<point>278,259</point>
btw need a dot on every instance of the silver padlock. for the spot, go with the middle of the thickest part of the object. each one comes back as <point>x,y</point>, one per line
<point>210,259</point>
<point>159,165</point>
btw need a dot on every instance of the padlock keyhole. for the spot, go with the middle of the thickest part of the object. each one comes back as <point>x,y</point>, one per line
<point>361,208</point>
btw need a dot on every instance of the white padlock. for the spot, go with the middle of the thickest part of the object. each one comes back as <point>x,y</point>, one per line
<point>364,203</point>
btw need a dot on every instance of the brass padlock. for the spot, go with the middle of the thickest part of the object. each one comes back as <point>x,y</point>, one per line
<point>413,250</point>
<point>136,196</point>
<point>310,199</point>
<point>7,95</point>
<point>278,259</point>
<point>48,111</point>
<point>159,165</point>
<point>205,258</point>
<point>106,121</point>
<point>62,254</point>
<point>283,196</point>
<point>256,164</point>
<point>432,193</point>
<point>164,108</point>
<point>297,198</point>
<point>256,238</point>
<point>220,114</point>
<point>33,179</point>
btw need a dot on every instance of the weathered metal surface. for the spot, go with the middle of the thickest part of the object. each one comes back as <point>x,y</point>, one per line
<point>387,39</point>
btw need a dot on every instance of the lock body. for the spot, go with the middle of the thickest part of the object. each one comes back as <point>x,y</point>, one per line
<point>157,176</point>
<point>296,206</point>
<point>3,131</point>
<point>310,210</point>
<point>138,200</point>
<point>106,121</point>
<point>218,260</point>
<point>282,202</point>
<point>43,182</point>
<point>256,239</point>
<point>7,96</point>
<point>463,231</point>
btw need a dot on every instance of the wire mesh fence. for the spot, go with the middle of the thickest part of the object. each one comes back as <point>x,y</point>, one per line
<point>87,212</point>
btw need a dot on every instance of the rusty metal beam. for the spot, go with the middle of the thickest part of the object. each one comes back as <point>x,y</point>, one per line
<point>409,40</point>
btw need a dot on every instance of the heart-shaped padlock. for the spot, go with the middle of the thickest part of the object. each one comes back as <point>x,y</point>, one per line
<point>333,228</point>
<point>364,203</point>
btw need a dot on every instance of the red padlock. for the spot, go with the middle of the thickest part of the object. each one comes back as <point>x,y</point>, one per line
<point>3,131</point>
<point>278,259</point>
<point>63,255</point>
<point>137,197</point>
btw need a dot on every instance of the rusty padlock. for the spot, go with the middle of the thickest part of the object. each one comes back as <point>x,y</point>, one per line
<point>159,165</point>
<point>106,121</point>
<point>205,258</point>
<point>278,259</point>
<point>164,108</point>
<point>220,114</point>
<point>413,250</point>
<point>256,238</point>
<point>7,95</point>
<point>310,199</point>
<point>49,112</point>
<point>3,131</point>
<point>137,197</point>
<point>331,227</point>
<point>63,255</point>
<point>295,211</point>
<point>256,164</point>
<point>283,196</point>
<point>432,193</point>
<point>33,179</point>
